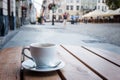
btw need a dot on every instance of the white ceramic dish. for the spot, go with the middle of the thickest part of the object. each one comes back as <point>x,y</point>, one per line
<point>30,65</point>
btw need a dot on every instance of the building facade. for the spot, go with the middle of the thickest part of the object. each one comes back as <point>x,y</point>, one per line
<point>3,17</point>
<point>58,10</point>
<point>88,5</point>
<point>12,14</point>
<point>74,7</point>
<point>7,16</point>
<point>26,6</point>
<point>101,5</point>
<point>18,13</point>
<point>32,14</point>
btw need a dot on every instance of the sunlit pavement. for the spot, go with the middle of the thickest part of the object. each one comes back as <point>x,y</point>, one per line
<point>106,36</point>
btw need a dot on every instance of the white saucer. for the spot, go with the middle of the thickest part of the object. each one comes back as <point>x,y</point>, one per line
<point>28,64</point>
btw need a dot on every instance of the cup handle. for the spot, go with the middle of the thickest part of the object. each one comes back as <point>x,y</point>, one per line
<point>25,54</point>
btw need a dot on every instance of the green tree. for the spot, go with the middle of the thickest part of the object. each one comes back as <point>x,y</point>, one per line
<point>113,4</point>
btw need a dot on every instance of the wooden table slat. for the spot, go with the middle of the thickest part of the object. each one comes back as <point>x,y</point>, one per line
<point>81,63</point>
<point>74,69</point>
<point>111,57</point>
<point>10,63</point>
<point>29,75</point>
<point>109,70</point>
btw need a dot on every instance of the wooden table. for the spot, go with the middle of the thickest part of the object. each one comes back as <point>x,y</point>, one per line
<point>81,63</point>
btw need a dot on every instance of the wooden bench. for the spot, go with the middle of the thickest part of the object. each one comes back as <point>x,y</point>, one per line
<point>81,63</point>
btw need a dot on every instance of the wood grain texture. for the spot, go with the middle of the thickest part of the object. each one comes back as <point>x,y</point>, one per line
<point>10,63</point>
<point>107,69</point>
<point>107,55</point>
<point>29,75</point>
<point>74,69</point>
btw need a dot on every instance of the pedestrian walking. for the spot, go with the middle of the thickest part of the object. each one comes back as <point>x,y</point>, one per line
<point>65,18</point>
<point>85,20</point>
<point>76,19</point>
<point>72,19</point>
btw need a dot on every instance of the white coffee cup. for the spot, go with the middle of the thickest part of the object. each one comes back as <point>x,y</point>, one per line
<point>42,54</point>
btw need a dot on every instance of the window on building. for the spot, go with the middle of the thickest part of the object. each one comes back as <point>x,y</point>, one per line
<point>81,7</point>
<point>105,8</point>
<point>71,1</point>
<point>103,1</point>
<point>98,7</point>
<point>67,7</point>
<point>77,1</point>
<point>77,7</point>
<point>95,8</point>
<point>71,7</point>
<point>98,1</point>
<point>102,8</point>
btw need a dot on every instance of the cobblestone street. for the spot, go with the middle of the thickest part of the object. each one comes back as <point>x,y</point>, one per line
<point>108,33</point>
<point>105,36</point>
